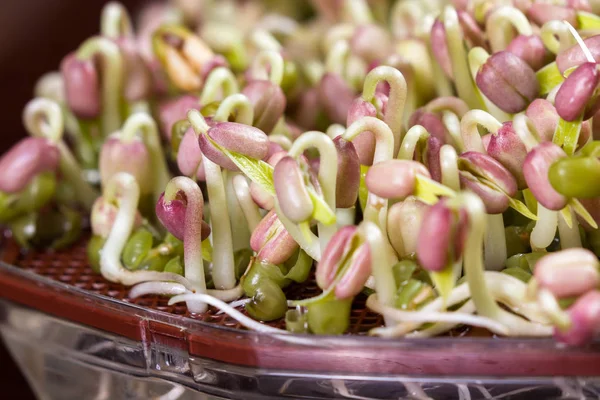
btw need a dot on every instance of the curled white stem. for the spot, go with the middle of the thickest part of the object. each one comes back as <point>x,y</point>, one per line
<point>410,141</point>
<point>115,21</point>
<point>268,64</point>
<point>43,118</point>
<point>395,107</point>
<point>220,81</point>
<point>549,33</point>
<point>500,23</point>
<point>112,79</point>
<point>470,133</point>
<point>144,125</point>
<point>110,258</point>
<point>327,173</point>
<point>449,164</point>
<point>232,103</point>
<point>526,131</point>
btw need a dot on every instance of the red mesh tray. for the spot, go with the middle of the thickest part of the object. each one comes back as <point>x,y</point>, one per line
<point>63,285</point>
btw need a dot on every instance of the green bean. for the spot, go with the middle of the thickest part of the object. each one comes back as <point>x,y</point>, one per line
<point>154,261</point>
<point>290,77</point>
<point>24,228</point>
<point>300,270</point>
<point>524,261</point>
<point>403,271</point>
<point>37,194</point>
<point>72,222</point>
<point>592,149</point>
<point>242,261</point>
<point>329,316</point>
<point>137,248</point>
<point>94,247</point>
<point>517,240</point>
<point>262,283</point>
<point>576,177</point>
<point>175,266</point>
<point>296,321</point>
<point>518,273</point>
<point>593,239</point>
<point>413,294</point>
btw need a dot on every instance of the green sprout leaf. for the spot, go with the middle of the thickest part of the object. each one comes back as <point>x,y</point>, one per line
<point>322,212</point>
<point>567,134</point>
<point>428,190</point>
<point>587,21</point>
<point>444,281</point>
<point>521,208</point>
<point>207,250</point>
<point>583,213</point>
<point>548,77</point>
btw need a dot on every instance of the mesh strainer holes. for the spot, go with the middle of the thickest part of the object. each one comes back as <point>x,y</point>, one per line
<point>98,286</point>
<point>71,266</point>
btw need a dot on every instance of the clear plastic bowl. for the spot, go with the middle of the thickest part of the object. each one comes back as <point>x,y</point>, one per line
<point>72,343</point>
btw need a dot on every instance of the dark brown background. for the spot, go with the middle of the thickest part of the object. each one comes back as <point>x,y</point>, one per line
<point>34,36</point>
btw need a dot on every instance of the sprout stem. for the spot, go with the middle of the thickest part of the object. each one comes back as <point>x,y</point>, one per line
<point>227,309</point>
<point>264,40</point>
<point>470,133</point>
<point>397,99</point>
<point>495,243</point>
<point>484,301</point>
<point>223,262</point>
<point>115,21</point>
<point>239,225</point>
<point>452,123</point>
<point>192,241</point>
<point>268,64</point>
<point>358,11</point>
<point>449,163</point>
<point>43,118</point>
<point>526,131</point>
<point>456,47</point>
<point>453,317</point>
<point>569,236</point>
<point>545,228</point>
<point>381,263</point>
<point>219,81</point>
<point>550,30</point>
<point>410,141</point>
<point>310,245</point>
<point>123,188</point>
<point>143,123</point>
<point>500,24</point>
<point>586,52</point>
<point>112,79</point>
<point>235,103</point>
<point>376,208</point>
<point>249,207</point>
<point>327,173</point>
<point>337,58</point>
